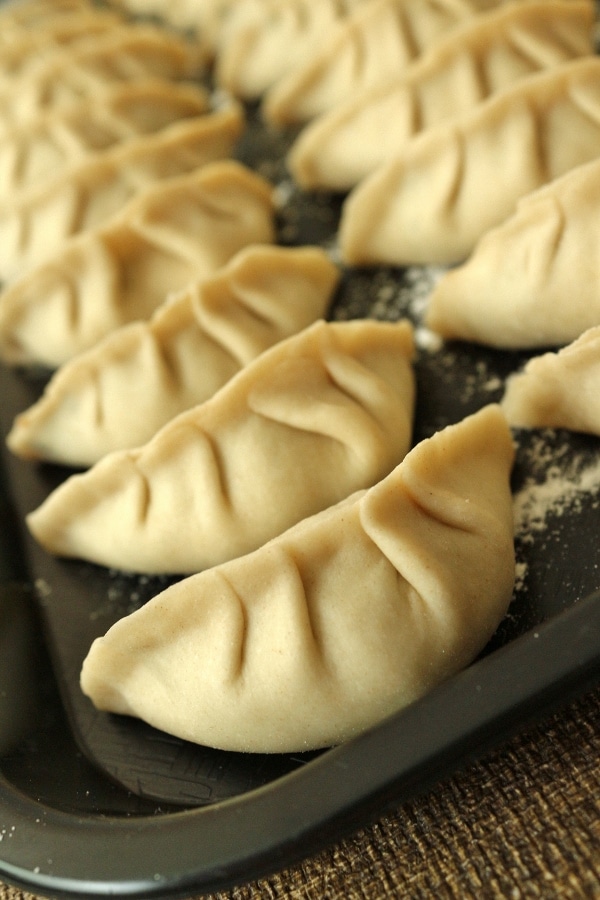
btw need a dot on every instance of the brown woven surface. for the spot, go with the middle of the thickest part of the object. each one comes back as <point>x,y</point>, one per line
<point>522,822</point>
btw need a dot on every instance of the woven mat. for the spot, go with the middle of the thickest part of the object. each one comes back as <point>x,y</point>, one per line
<point>524,821</point>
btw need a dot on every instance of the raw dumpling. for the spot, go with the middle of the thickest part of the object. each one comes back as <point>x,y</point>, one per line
<point>176,232</point>
<point>477,59</point>
<point>62,32</point>
<point>318,416</point>
<point>262,40</point>
<point>51,142</point>
<point>558,390</point>
<point>124,389</point>
<point>337,623</point>
<point>16,18</point>
<point>35,226</point>
<point>533,281</point>
<point>455,181</point>
<point>376,42</point>
<point>86,71</point>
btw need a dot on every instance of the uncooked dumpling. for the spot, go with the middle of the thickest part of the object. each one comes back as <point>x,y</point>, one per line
<point>340,621</point>
<point>318,416</point>
<point>454,182</point>
<point>16,18</point>
<point>124,389</point>
<point>531,282</point>
<point>59,33</point>
<point>477,59</point>
<point>35,226</point>
<point>52,141</point>
<point>86,71</point>
<point>263,40</point>
<point>558,390</point>
<point>377,42</point>
<point>176,232</point>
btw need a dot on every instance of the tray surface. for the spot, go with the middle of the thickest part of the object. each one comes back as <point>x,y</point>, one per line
<point>87,799</point>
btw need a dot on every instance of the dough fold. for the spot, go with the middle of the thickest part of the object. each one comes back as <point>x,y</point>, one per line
<point>488,53</point>
<point>530,282</point>
<point>119,393</point>
<point>311,420</point>
<point>455,181</point>
<point>337,623</point>
<point>169,235</point>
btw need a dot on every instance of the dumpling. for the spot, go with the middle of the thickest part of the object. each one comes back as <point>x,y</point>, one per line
<point>50,142</point>
<point>318,416</point>
<point>335,624</point>
<point>558,390</point>
<point>15,18</point>
<point>262,40</point>
<point>83,72</point>
<point>477,59</point>
<point>62,31</point>
<point>35,226</point>
<point>532,281</point>
<point>173,233</point>
<point>124,389</point>
<point>378,41</point>
<point>455,181</point>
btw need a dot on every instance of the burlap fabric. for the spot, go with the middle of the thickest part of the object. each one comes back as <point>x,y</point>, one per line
<point>522,822</point>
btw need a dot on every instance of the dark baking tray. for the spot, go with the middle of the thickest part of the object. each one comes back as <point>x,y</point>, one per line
<point>93,804</point>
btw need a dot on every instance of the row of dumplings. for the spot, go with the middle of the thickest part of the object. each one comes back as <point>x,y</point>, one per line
<point>231,430</point>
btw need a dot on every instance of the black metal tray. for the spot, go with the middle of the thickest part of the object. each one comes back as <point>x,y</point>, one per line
<point>92,804</point>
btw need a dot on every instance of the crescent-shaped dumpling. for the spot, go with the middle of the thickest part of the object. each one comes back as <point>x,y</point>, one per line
<point>171,234</point>
<point>204,18</point>
<point>85,71</point>
<point>52,141</point>
<point>318,416</point>
<point>129,385</point>
<point>35,225</point>
<point>376,42</point>
<point>337,623</point>
<point>16,18</point>
<point>454,182</point>
<point>558,390</point>
<point>59,33</point>
<point>532,281</point>
<point>263,40</point>
<point>475,60</point>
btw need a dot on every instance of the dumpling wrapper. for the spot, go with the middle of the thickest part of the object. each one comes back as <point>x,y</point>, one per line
<point>52,141</point>
<point>263,40</point>
<point>558,390</point>
<point>36,224</point>
<point>318,416</point>
<point>129,385</point>
<point>337,623</point>
<point>453,182</point>
<point>477,59</point>
<point>532,281</point>
<point>76,73</point>
<point>169,235</point>
<point>376,42</point>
